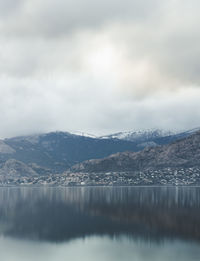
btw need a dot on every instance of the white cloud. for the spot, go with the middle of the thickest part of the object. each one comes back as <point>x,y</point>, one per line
<point>98,66</point>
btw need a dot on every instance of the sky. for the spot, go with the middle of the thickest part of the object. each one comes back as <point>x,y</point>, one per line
<point>99,66</point>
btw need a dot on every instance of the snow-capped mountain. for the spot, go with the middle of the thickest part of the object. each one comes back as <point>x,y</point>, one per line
<point>141,135</point>
<point>151,136</point>
<point>182,153</point>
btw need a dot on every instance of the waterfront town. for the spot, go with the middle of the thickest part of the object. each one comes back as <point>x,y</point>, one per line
<point>166,176</point>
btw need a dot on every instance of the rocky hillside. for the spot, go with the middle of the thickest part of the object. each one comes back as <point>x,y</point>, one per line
<point>15,168</point>
<point>181,153</point>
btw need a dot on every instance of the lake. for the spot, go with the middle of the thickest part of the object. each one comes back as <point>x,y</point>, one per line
<point>100,223</point>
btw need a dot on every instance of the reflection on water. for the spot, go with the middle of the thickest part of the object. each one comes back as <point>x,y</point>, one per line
<point>121,223</point>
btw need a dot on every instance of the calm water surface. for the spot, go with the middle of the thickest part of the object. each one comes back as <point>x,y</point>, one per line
<point>120,223</point>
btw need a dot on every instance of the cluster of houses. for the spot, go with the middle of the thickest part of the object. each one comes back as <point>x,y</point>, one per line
<point>166,176</point>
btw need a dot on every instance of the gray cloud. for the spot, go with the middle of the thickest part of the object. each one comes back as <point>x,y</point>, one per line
<point>9,7</point>
<point>54,18</point>
<point>98,66</point>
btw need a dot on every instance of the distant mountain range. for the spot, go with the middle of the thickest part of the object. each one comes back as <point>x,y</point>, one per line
<point>180,153</point>
<point>60,150</point>
<point>57,151</point>
<point>150,138</point>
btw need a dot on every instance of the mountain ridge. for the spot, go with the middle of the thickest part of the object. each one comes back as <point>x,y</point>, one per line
<point>184,152</point>
<point>55,152</point>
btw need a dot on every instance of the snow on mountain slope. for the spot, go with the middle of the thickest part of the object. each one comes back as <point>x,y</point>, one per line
<point>80,133</point>
<point>150,135</point>
<point>142,135</point>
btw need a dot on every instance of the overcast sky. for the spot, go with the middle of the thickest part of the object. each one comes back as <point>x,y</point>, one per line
<point>98,66</point>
